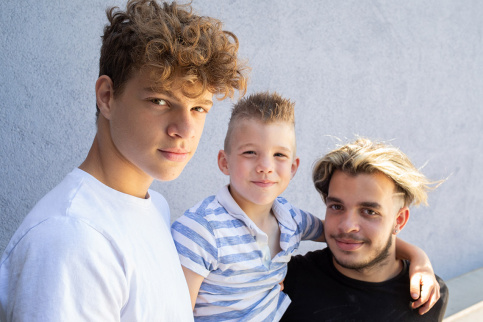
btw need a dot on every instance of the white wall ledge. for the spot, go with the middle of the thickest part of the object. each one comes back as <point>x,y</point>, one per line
<point>465,298</point>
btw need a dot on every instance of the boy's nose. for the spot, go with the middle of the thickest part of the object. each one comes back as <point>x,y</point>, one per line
<point>264,165</point>
<point>349,222</point>
<point>182,125</point>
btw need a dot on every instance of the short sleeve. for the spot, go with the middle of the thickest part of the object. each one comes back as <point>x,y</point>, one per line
<point>195,242</point>
<point>62,269</point>
<point>311,227</point>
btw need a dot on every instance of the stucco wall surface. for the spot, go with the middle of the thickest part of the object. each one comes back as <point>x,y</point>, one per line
<point>405,71</point>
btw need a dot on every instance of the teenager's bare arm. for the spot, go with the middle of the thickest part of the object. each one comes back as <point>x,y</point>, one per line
<point>194,283</point>
<point>424,287</point>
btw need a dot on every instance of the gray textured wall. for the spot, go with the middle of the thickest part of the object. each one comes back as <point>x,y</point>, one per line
<point>406,71</point>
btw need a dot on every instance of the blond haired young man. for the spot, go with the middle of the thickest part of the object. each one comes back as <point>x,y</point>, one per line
<point>98,246</point>
<point>368,188</point>
<point>234,247</point>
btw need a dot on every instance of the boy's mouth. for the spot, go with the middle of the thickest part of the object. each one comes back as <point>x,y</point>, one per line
<point>348,242</point>
<point>348,245</point>
<point>175,155</point>
<point>264,183</point>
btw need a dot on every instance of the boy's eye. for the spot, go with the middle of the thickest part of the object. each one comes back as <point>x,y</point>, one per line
<point>335,207</point>
<point>249,152</point>
<point>199,109</point>
<point>159,101</point>
<point>369,212</point>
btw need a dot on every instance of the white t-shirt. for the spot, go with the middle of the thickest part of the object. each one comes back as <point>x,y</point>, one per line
<point>87,252</point>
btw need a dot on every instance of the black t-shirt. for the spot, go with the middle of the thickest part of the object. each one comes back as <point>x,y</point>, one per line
<point>319,292</point>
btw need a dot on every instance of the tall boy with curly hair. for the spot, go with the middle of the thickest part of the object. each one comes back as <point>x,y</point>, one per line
<point>98,246</point>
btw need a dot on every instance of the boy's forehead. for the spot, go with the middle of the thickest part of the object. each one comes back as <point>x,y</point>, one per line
<point>243,127</point>
<point>362,187</point>
<point>245,121</point>
<point>153,81</point>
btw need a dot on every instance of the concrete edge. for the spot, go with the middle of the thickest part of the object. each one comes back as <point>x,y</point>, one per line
<point>465,297</point>
<point>473,313</point>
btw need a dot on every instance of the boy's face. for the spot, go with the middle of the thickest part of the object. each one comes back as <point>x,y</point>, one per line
<point>362,213</point>
<point>260,163</point>
<point>156,133</point>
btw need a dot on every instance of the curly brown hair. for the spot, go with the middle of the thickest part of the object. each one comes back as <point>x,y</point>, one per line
<point>171,42</point>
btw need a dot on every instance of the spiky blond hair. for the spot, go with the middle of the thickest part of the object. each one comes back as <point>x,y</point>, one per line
<point>265,107</point>
<point>365,156</point>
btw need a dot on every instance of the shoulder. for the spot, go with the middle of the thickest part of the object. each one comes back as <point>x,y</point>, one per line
<point>442,284</point>
<point>206,207</point>
<point>158,199</point>
<point>282,202</point>
<point>61,246</point>
<point>288,211</point>
<point>56,237</point>
<point>296,213</point>
<point>444,292</point>
<point>160,203</point>
<point>305,225</point>
<point>57,256</point>
<point>201,219</point>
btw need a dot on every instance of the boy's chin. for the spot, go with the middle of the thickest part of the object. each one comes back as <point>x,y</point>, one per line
<point>166,173</point>
<point>168,177</point>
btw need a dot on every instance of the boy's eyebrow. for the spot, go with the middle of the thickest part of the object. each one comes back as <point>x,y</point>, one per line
<point>333,199</point>
<point>285,149</point>
<point>172,95</point>
<point>368,204</point>
<point>205,102</point>
<point>288,149</point>
<point>246,145</point>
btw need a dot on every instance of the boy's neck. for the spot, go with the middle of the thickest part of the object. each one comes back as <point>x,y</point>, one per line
<point>257,213</point>
<point>103,164</point>
<point>264,218</point>
<point>381,272</point>
<point>260,215</point>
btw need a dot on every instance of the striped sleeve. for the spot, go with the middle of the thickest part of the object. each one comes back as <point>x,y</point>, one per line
<point>311,226</point>
<point>195,242</point>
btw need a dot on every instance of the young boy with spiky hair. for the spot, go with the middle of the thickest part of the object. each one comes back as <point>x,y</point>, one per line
<point>98,246</point>
<point>235,246</point>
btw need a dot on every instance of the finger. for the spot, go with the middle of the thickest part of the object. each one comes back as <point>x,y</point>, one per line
<point>423,305</point>
<point>427,290</point>
<point>436,294</point>
<point>415,286</point>
<point>430,294</point>
<point>428,305</point>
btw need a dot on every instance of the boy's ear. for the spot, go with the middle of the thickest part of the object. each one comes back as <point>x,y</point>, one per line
<point>402,218</point>
<point>223,162</point>
<point>295,166</point>
<point>104,95</point>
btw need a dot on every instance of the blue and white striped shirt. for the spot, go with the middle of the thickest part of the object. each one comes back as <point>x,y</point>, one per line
<point>217,240</point>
